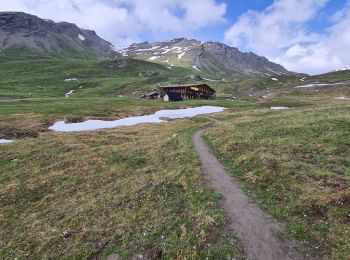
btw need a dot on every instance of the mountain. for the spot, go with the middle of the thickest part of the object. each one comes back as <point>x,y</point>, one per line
<point>204,57</point>
<point>29,33</point>
<point>20,31</point>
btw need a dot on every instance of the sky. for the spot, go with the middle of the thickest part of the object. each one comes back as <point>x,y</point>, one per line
<point>310,36</point>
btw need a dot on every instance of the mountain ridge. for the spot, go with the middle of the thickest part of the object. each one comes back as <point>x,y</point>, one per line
<point>208,57</point>
<point>43,36</point>
<point>37,35</point>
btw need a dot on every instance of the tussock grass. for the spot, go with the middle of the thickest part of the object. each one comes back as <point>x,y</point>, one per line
<point>126,190</point>
<point>296,164</point>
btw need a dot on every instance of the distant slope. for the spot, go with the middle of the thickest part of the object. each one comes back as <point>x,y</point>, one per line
<point>213,58</point>
<point>331,77</point>
<point>53,77</point>
<point>28,33</point>
<point>259,86</point>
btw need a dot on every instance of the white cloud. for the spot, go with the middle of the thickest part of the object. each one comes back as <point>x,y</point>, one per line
<point>125,21</point>
<point>280,33</point>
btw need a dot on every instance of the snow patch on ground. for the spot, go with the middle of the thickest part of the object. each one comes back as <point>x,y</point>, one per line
<point>211,79</point>
<point>342,98</point>
<point>61,126</point>
<point>303,79</point>
<point>81,37</point>
<point>279,108</point>
<point>68,94</point>
<point>313,85</point>
<point>6,141</point>
<point>72,79</point>
<point>274,79</point>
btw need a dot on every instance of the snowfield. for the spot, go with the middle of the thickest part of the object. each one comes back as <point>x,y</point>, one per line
<point>181,55</point>
<point>154,58</point>
<point>196,68</point>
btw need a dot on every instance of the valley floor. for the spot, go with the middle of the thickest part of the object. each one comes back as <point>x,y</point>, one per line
<point>136,190</point>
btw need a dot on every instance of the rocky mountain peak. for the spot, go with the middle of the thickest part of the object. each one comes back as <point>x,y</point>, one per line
<point>207,57</point>
<point>21,30</point>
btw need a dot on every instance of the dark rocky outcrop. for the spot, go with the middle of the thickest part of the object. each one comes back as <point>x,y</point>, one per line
<point>21,30</point>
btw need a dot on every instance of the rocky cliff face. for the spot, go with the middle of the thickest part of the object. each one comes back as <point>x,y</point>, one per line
<point>20,30</point>
<point>209,57</point>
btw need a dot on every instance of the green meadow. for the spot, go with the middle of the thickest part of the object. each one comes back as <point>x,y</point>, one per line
<point>140,190</point>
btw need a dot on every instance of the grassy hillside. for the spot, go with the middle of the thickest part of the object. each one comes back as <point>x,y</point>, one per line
<point>331,77</point>
<point>45,77</point>
<point>42,77</point>
<point>295,164</point>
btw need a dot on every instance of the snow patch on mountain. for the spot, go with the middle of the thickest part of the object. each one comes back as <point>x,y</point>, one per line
<point>343,69</point>
<point>213,55</point>
<point>181,55</point>
<point>273,71</point>
<point>154,58</point>
<point>149,49</point>
<point>196,68</point>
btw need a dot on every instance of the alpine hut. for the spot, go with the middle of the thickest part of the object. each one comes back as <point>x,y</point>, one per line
<point>189,91</point>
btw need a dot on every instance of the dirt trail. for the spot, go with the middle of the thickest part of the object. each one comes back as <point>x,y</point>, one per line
<point>259,233</point>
